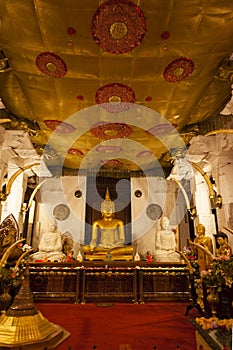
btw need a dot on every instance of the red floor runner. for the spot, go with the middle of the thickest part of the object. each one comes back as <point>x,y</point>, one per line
<point>143,326</point>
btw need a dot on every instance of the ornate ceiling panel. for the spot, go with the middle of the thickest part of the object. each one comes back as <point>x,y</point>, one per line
<point>59,58</point>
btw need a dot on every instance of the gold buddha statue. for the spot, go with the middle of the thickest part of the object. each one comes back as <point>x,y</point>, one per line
<point>204,260</point>
<point>108,237</point>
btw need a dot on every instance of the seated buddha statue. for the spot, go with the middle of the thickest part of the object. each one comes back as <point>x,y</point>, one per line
<point>50,246</point>
<point>223,250</point>
<point>165,243</point>
<point>108,237</point>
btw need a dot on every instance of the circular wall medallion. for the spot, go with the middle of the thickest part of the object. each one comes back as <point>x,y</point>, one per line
<point>61,212</point>
<point>154,211</point>
<point>178,69</point>
<point>51,64</point>
<point>118,26</point>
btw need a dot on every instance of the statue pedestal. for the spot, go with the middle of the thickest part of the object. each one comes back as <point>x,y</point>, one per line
<point>50,343</point>
<point>104,257</point>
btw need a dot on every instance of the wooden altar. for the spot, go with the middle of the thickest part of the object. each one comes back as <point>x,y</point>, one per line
<point>109,281</point>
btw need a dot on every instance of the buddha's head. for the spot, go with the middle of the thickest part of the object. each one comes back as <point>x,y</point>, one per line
<point>53,227</point>
<point>164,223</point>
<point>200,228</point>
<point>107,206</point>
<point>222,238</point>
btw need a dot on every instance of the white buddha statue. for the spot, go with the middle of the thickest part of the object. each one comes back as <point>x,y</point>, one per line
<point>50,246</point>
<point>165,243</point>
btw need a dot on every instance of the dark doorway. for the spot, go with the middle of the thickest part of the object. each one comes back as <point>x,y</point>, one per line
<point>119,190</point>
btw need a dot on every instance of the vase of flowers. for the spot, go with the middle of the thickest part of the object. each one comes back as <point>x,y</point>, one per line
<point>213,299</point>
<point>218,279</point>
<point>10,276</point>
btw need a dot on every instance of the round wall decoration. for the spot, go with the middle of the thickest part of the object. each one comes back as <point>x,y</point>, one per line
<point>59,126</point>
<point>118,26</point>
<point>111,95</point>
<point>51,64</point>
<point>154,211</point>
<point>61,212</point>
<point>178,69</point>
<point>107,131</point>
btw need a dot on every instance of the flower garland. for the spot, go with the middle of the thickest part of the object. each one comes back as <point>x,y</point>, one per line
<point>211,323</point>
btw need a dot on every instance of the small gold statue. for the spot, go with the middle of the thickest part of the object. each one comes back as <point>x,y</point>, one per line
<point>111,236</point>
<point>204,259</point>
<point>223,250</point>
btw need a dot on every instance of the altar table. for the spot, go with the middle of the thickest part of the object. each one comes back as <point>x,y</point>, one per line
<point>109,281</point>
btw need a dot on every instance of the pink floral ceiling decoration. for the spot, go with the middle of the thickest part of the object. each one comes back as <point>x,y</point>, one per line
<point>118,26</point>
<point>161,129</point>
<point>107,131</point>
<point>59,126</point>
<point>178,69</point>
<point>111,95</point>
<point>144,154</point>
<point>109,149</point>
<point>75,152</point>
<point>112,163</point>
<point>51,64</point>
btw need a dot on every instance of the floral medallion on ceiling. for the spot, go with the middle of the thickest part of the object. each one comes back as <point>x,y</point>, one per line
<point>112,95</point>
<point>144,154</point>
<point>178,69</point>
<point>59,126</point>
<point>161,129</point>
<point>111,163</point>
<point>75,152</point>
<point>118,26</point>
<point>109,149</point>
<point>107,131</point>
<point>51,64</point>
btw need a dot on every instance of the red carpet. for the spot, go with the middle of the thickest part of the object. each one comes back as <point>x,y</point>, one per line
<point>143,326</point>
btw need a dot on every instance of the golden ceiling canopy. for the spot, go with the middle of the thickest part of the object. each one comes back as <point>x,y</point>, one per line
<point>114,84</point>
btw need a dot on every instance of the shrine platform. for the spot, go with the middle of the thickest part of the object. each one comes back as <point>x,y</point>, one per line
<point>109,281</point>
